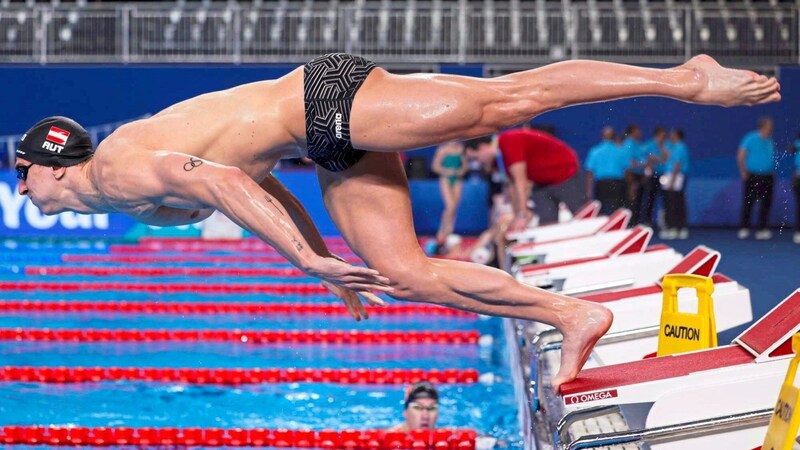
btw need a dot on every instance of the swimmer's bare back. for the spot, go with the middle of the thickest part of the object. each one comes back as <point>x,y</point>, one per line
<point>248,126</point>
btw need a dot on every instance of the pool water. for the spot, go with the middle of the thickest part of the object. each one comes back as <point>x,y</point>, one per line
<point>488,406</point>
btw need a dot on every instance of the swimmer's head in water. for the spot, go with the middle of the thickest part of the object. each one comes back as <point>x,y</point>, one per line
<point>419,390</point>
<point>56,142</point>
<point>422,406</point>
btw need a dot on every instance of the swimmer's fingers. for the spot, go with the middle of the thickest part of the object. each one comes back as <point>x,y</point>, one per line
<point>344,274</point>
<point>349,298</point>
<point>353,305</point>
<point>372,299</point>
<point>359,305</point>
<point>366,287</point>
<point>368,274</point>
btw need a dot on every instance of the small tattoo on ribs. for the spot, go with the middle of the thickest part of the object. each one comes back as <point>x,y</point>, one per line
<point>193,162</point>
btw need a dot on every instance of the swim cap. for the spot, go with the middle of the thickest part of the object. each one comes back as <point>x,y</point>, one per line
<point>421,389</point>
<point>56,142</point>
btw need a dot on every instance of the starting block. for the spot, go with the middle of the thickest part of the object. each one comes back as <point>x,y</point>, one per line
<point>720,398</point>
<point>637,314</point>
<point>631,263</point>
<point>574,228</point>
<point>559,250</point>
<point>588,210</point>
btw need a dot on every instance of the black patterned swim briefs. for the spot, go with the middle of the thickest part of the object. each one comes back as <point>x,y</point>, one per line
<point>330,83</point>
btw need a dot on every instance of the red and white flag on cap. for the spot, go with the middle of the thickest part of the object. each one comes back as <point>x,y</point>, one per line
<point>57,135</point>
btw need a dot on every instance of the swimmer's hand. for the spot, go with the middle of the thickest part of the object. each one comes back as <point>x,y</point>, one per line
<point>520,223</point>
<point>336,271</point>
<point>351,300</point>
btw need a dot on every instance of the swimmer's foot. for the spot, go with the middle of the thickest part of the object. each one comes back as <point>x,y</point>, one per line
<point>581,331</point>
<point>719,85</point>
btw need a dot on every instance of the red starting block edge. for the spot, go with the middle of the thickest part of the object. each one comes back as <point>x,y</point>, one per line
<point>458,439</point>
<point>235,376</point>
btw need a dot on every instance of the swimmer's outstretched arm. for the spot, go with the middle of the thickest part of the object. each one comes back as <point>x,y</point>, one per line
<point>298,213</point>
<point>184,181</point>
<point>309,230</point>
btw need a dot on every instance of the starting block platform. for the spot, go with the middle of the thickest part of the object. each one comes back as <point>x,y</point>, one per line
<point>629,264</point>
<point>576,227</point>
<point>558,250</point>
<point>718,398</point>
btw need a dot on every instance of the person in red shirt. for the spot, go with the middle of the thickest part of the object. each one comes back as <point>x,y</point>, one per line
<point>544,168</point>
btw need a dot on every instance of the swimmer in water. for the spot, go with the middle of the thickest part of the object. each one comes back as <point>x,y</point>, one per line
<point>421,409</point>
<point>216,152</point>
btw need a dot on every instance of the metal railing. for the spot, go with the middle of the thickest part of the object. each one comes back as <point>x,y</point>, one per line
<point>510,32</point>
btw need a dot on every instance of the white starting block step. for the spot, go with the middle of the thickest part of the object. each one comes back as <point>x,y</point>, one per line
<point>598,244</point>
<point>732,387</point>
<point>574,228</point>
<point>629,264</point>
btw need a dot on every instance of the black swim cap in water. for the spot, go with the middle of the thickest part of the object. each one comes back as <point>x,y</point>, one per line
<point>421,389</point>
<point>56,142</point>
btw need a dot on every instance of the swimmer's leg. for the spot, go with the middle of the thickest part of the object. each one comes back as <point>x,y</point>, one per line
<point>451,196</point>
<point>370,205</point>
<point>404,112</point>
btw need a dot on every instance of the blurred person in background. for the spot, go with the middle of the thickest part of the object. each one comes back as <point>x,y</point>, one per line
<point>673,183</point>
<point>653,155</point>
<point>450,164</point>
<point>632,145</point>
<point>538,167</point>
<point>606,165</point>
<point>542,168</point>
<point>756,161</point>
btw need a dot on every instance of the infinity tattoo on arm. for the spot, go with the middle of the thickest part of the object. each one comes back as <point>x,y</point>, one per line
<point>193,162</point>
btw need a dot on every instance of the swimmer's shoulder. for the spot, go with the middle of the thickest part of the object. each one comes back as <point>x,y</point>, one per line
<point>399,428</point>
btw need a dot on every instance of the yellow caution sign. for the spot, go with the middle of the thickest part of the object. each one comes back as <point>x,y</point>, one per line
<point>685,332</point>
<point>783,426</point>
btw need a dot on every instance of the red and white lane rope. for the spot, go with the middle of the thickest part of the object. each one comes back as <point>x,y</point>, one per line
<point>174,259</point>
<point>444,439</point>
<point>241,336</point>
<point>145,307</point>
<point>280,272</point>
<point>203,247</point>
<point>235,376</point>
<point>166,288</point>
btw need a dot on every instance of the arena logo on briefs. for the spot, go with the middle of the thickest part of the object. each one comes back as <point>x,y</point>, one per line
<point>338,128</point>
